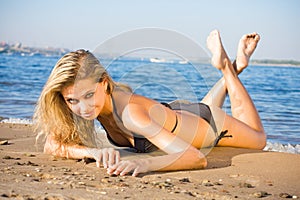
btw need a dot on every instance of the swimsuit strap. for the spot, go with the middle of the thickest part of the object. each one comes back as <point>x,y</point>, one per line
<point>176,123</point>
<point>115,109</point>
<point>175,126</point>
<point>222,135</point>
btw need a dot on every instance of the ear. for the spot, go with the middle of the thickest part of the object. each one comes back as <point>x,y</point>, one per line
<point>105,85</point>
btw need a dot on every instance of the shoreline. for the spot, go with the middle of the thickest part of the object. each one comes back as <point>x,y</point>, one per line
<point>232,173</point>
<point>270,146</point>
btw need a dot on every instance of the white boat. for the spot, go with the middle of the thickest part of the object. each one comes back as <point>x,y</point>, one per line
<point>157,60</point>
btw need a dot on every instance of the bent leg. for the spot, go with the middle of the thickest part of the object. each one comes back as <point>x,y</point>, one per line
<point>216,95</point>
<point>243,135</point>
<point>247,44</point>
<point>245,115</point>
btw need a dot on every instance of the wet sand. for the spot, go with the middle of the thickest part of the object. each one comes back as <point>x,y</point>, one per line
<point>232,173</point>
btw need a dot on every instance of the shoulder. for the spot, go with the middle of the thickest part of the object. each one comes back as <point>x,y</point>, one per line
<point>137,119</point>
<point>126,99</point>
<point>134,111</point>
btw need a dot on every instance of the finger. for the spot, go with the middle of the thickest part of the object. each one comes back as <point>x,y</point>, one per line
<point>112,168</point>
<point>109,171</point>
<point>111,157</point>
<point>98,163</point>
<point>118,157</point>
<point>98,160</point>
<point>127,169</point>
<point>121,167</point>
<point>114,157</point>
<point>135,172</point>
<point>104,158</point>
<point>118,170</point>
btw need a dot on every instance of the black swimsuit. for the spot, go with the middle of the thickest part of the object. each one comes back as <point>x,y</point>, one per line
<point>143,145</point>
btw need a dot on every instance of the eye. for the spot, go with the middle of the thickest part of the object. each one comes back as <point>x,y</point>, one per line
<point>89,95</point>
<point>72,101</point>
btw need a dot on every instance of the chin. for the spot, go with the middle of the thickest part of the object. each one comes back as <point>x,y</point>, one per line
<point>89,118</point>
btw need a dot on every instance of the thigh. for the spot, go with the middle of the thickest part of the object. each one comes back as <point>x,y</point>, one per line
<point>194,130</point>
<point>242,135</point>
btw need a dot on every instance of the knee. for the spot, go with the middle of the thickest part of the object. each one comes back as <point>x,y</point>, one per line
<point>262,141</point>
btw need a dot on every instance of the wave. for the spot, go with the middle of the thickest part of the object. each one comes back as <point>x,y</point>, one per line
<point>286,148</point>
<point>16,121</point>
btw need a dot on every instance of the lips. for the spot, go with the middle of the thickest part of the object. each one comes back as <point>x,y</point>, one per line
<point>87,114</point>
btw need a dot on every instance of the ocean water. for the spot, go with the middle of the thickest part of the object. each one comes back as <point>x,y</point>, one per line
<point>275,90</point>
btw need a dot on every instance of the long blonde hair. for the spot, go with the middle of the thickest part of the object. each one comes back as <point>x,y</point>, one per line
<point>52,115</point>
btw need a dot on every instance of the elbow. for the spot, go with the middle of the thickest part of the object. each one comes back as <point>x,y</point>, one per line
<point>48,147</point>
<point>202,162</point>
<point>55,151</point>
<point>51,147</point>
<point>199,160</point>
<point>47,150</point>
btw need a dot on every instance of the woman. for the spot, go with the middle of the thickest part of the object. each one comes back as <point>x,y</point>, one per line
<point>79,90</point>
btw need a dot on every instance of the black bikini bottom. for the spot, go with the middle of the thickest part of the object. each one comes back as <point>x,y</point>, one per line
<point>143,145</point>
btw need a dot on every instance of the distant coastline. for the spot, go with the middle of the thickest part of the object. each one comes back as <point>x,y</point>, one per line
<point>18,48</point>
<point>275,62</point>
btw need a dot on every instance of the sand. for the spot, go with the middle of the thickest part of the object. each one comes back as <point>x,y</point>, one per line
<point>232,173</point>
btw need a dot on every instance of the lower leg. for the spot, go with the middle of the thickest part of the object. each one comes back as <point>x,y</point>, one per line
<point>242,106</point>
<point>216,95</point>
<point>247,44</point>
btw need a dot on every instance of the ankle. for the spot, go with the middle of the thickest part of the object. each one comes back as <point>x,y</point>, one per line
<point>228,68</point>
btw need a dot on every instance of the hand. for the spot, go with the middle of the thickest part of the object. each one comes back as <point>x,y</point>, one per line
<point>126,166</point>
<point>109,156</point>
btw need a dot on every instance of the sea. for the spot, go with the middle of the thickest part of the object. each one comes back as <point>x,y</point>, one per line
<point>274,89</point>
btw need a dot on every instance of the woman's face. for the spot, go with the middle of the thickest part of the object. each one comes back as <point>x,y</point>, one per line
<point>86,98</point>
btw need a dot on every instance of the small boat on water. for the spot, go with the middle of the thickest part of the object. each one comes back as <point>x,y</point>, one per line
<point>157,60</point>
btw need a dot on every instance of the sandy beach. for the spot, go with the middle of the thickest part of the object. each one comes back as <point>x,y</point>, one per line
<point>232,173</point>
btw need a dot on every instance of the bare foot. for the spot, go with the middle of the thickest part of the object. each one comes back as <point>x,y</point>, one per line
<point>246,47</point>
<point>214,44</point>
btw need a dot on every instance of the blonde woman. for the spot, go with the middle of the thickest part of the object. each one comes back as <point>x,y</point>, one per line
<point>79,90</point>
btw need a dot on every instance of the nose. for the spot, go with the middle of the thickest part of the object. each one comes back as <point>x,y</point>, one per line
<point>84,107</point>
<point>81,107</point>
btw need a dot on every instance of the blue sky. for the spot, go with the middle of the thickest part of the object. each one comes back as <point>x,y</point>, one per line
<point>85,24</point>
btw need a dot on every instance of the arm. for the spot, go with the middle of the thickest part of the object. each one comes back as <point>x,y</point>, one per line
<point>189,159</point>
<point>181,155</point>
<point>108,155</point>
